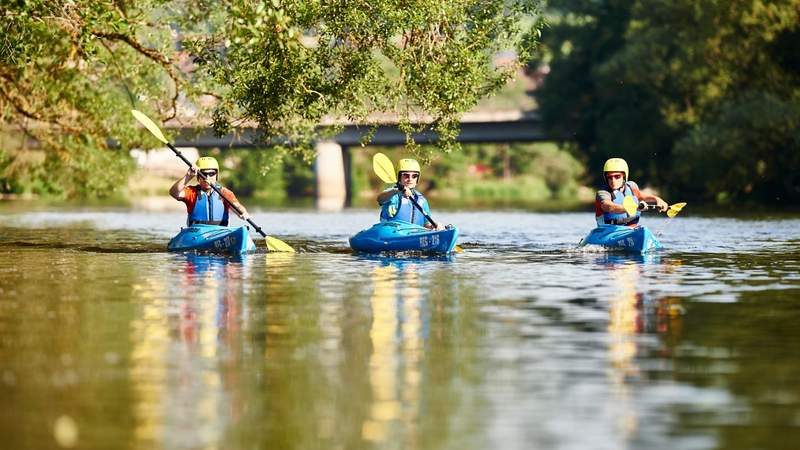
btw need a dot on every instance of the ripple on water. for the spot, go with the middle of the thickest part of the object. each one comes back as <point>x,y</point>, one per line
<point>520,340</point>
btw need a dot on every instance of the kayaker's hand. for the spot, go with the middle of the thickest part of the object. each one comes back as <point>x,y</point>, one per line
<point>662,205</point>
<point>405,191</point>
<point>192,172</point>
<point>440,227</point>
<point>245,216</point>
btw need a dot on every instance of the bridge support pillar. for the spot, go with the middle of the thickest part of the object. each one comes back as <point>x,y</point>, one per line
<point>330,173</point>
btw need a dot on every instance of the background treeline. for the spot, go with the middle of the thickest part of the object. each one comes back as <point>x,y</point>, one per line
<point>701,97</point>
<point>539,176</point>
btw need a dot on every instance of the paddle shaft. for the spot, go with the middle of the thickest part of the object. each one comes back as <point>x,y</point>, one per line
<point>217,190</point>
<point>658,232</point>
<point>649,206</point>
<point>416,205</point>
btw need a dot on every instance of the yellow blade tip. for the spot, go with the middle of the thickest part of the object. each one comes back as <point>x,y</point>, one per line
<point>149,124</point>
<point>384,168</point>
<point>277,245</point>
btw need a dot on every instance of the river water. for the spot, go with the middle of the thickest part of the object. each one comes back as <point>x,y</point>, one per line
<point>522,341</point>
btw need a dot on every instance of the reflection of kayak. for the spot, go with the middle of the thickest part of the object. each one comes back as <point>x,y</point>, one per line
<point>636,240</point>
<point>212,238</point>
<point>397,236</point>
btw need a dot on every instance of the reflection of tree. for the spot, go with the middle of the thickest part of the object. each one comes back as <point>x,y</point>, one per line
<point>451,412</point>
<point>61,350</point>
<point>288,389</point>
<point>751,349</point>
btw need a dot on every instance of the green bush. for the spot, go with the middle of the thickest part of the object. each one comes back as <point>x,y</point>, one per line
<point>272,174</point>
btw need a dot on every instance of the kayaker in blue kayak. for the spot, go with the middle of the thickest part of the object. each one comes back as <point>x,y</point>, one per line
<point>609,209</point>
<point>396,201</point>
<point>203,204</point>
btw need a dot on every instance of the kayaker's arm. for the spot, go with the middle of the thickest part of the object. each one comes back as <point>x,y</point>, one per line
<point>231,198</point>
<point>385,196</point>
<point>176,191</point>
<point>245,215</point>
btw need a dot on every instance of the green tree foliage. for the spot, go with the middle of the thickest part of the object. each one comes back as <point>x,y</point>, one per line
<point>526,173</point>
<point>289,64</point>
<point>70,70</point>
<point>701,97</point>
<point>274,175</point>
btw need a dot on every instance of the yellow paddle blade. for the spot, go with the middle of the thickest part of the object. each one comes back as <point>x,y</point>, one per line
<point>630,205</point>
<point>458,249</point>
<point>384,168</point>
<point>677,206</point>
<point>276,245</point>
<point>149,124</point>
<point>675,209</point>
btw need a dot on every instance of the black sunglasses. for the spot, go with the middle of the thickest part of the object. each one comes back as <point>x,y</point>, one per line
<point>210,173</point>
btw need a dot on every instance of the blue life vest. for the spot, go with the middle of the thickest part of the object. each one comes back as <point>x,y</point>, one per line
<point>209,209</point>
<point>618,198</point>
<point>400,208</point>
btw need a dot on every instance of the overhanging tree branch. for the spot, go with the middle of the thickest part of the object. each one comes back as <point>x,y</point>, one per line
<point>151,54</point>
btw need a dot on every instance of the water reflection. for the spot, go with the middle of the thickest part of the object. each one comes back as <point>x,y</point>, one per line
<point>633,311</point>
<point>180,350</point>
<point>396,335</point>
<point>516,343</point>
<point>624,322</point>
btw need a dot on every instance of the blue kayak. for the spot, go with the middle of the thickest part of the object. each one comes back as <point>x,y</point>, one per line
<point>398,236</point>
<point>214,239</point>
<point>636,240</point>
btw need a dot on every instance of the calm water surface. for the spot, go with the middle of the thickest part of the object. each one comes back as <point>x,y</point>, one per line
<point>523,341</point>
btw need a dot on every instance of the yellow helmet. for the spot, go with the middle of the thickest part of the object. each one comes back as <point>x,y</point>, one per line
<point>207,162</point>
<point>616,165</point>
<point>408,165</point>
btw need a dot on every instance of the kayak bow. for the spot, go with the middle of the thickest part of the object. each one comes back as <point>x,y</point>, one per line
<point>636,240</point>
<point>398,236</point>
<point>214,239</point>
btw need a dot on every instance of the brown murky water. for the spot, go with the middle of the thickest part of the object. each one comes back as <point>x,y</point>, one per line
<point>522,341</point>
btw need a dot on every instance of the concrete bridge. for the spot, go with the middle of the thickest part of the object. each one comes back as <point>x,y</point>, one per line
<point>332,167</point>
